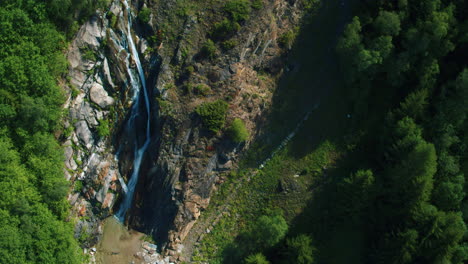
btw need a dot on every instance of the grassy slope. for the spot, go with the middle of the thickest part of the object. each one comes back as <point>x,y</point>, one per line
<point>319,152</point>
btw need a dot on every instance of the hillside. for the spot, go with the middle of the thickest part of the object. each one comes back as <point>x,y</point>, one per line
<point>240,131</point>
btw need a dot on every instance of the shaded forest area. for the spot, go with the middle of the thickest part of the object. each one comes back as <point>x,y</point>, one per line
<point>399,192</point>
<point>34,215</point>
<point>408,61</point>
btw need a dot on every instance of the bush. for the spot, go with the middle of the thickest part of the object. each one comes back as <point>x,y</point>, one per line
<point>237,131</point>
<point>300,250</point>
<point>213,114</point>
<point>74,92</point>
<point>225,29</point>
<point>257,4</point>
<point>78,186</point>
<point>189,70</point>
<point>209,49</point>
<point>258,258</point>
<point>144,15</point>
<point>286,40</point>
<point>238,10</point>
<point>103,128</point>
<point>88,54</point>
<point>202,89</point>
<point>228,44</point>
<point>269,230</point>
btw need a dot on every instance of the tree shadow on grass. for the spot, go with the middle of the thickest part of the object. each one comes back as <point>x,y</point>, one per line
<point>323,218</point>
<point>311,80</point>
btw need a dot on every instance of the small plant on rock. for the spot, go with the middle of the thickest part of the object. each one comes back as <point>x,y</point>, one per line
<point>208,49</point>
<point>237,131</point>
<point>103,129</point>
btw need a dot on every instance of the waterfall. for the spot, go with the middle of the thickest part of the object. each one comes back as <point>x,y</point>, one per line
<point>137,86</point>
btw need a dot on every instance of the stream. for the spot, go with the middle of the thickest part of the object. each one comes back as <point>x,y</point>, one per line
<point>139,110</point>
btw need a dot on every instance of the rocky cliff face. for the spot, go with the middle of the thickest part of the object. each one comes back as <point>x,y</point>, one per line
<point>183,163</point>
<point>97,151</point>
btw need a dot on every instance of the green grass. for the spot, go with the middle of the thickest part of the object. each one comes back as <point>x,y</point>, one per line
<point>261,194</point>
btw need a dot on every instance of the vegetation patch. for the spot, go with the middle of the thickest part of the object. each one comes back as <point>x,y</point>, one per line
<point>202,89</point>
<point>213,114</point>
<point>144,15</point>
<point>287,39</point>
<point>237,131</point>
<point>103,128</point>
<point>209,49</point>
<point>224,29</point>
<point>238,10</point>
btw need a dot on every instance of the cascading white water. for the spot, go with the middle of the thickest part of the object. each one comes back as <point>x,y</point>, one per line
<point>139,151</point>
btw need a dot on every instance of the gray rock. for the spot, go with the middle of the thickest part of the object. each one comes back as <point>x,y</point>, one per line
<point>92,165</point>
<point>84,133</point>
<point>99,96</point>
<point>67,175</point>
<point>224,74</point>
<point>116,8</point>
<point>225,166</point>
<point>107,74</point>
<point>69,161</point>
<point>84,111</point>
<point>102,194</point>
<point>143,45</point>
<point>91,34</point>
<point>73,198</point>
<point>78,78</point>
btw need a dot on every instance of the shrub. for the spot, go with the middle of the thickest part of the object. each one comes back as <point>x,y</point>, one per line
<point>228,44</point>
<point>164,106</point>
<point>113,22</point>
<point>209,49</point>
<point>258,258</point>
<point>257,4</point>
<point>103,128</point>
<point>202,89</point>
<point>144,15</point>
<point>189,70</point>
<point>237,131</point>
<point>213,114</point>
<point>67,131</point>
<point>78,186</point>
<point>74,92</point>
<point>88,54</point>
<point>286,40</point>
<point>224,29</point>
<point>269,230</point>
<point>300,250</point>
<point>238,10</point>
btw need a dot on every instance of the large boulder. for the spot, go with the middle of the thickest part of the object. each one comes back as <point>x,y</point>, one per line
<point>99,96</point>
<point>91,34</point>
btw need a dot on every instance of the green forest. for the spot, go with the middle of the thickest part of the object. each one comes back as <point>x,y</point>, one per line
<point>35,225</point>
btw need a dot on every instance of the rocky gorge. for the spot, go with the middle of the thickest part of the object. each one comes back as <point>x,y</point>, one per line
<point>182,163</point>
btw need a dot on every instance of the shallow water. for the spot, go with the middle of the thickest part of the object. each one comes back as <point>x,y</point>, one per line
<point>118,245</point>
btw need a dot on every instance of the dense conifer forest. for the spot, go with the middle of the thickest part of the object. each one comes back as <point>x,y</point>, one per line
<point>34,214</point>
